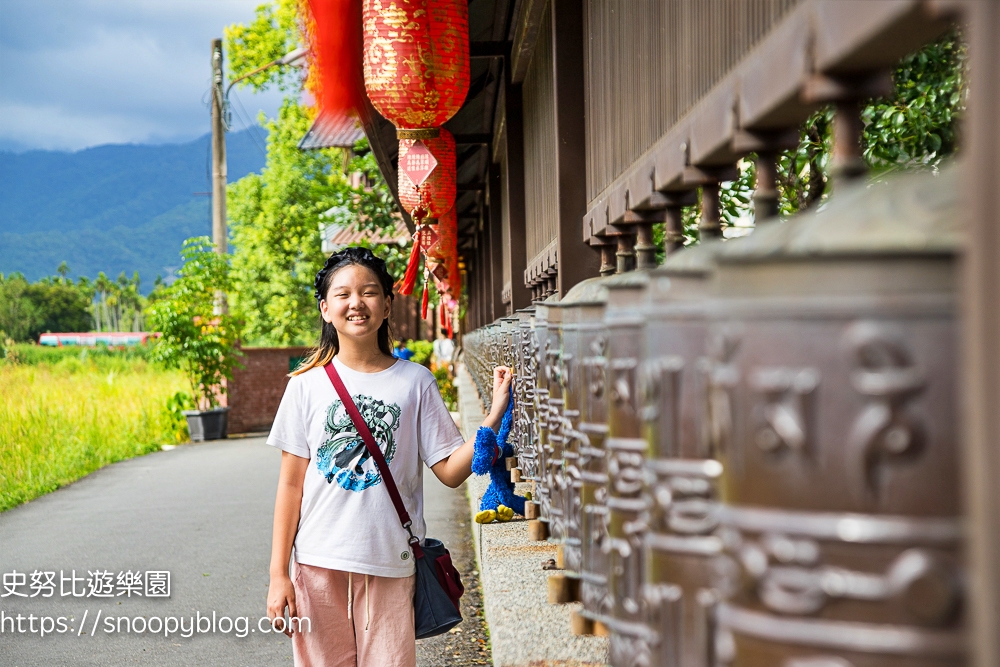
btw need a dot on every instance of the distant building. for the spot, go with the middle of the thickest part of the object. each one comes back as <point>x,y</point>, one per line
<point>109,338</point>
<point>336,236</point>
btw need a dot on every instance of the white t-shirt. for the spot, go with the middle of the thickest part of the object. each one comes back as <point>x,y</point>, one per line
<point>347,521</point>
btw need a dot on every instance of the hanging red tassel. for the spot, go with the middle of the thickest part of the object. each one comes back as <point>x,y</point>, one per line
<point>423,301</point>
<point>410,277</point>
<point>441,311</point>
<point>451,334</point>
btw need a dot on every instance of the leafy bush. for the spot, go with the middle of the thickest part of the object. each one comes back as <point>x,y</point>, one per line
<point>194,338</point>
<point>174,409</point>
<point>446,385</point>
<point>422,351</point>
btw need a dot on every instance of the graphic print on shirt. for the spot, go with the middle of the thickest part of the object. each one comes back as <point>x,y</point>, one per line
<point>343,457</point>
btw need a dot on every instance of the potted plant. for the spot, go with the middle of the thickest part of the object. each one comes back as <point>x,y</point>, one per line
<point>197,335</point>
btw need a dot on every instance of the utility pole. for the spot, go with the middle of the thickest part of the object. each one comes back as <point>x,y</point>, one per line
<point>219,232</point>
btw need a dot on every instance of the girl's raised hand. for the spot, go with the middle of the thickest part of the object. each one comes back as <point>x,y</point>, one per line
<point>502,377</point>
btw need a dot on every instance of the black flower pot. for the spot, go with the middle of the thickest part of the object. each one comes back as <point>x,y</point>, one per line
<point>208,424</point>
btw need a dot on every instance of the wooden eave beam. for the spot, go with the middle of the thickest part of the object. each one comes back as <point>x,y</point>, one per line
<point>526,25</point>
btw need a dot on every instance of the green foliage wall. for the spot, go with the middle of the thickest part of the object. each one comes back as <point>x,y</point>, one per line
<point>915,128</point>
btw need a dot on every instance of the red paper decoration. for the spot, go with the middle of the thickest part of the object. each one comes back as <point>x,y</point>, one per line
<point>416,59</point>
<point>436,196</point>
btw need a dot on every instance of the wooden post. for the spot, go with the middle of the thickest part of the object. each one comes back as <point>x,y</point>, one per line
<point>765,195</point>
<point>981,331</point>
<point>513,162</point>
<point>645,249</point>
<point>711,220</point>
<point>767,144</point>
<point>673,233</point>
<point>497,251</point>
<point>625,250</point>
<point>577,261</point>
<point>674,203</point>
<point>607,259</point>
<point>219,232</point>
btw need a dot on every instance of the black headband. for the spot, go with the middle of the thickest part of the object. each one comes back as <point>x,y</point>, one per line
<point>352,255</point>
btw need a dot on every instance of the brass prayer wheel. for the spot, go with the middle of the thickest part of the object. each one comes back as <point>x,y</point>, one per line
<point>581,312</point>
<point>591,375</point>
<point>625,454</point>
<point>553,422</point>
<point>681,473</point>
<point>524,367</point>
<point>540,333</point>
<point>831,392</point>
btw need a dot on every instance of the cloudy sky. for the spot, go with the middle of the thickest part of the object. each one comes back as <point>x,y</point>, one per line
<point>79,73</point>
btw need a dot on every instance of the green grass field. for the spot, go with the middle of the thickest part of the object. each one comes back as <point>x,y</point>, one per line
<point>65,414</point>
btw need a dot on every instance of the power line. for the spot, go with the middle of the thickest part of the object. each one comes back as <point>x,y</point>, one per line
<point>244,117</point>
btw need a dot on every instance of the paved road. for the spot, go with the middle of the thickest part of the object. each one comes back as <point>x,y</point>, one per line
<point>201,512</point>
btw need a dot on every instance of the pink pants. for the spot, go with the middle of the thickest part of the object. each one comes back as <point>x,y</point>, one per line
<point>357,620</point>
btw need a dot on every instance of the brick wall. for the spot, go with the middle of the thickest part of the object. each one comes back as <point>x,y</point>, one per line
<point>256,389</point>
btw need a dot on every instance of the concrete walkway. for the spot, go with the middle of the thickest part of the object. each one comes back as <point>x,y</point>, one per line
<point>201,512</point>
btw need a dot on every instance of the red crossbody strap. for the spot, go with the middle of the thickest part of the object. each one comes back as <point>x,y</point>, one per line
<point>366,435</point>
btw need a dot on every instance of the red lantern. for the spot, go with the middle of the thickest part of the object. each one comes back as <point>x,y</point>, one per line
<point>416,59</point>
<point>336,71</point>
<point>436,195</point>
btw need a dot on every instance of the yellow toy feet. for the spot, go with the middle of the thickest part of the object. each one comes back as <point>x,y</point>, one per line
<point>504,513</point>
<point>486,516</point>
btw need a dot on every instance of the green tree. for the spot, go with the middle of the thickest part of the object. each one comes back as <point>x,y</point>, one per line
<point>275,30</point>
<point>61,307</point>
<point>18,315</point>
<point>274,221</point>
<point>194,338</point>
<point>54,304</point>
<point>918,125</point>
<point>118,304</point>
<point>276,216</point>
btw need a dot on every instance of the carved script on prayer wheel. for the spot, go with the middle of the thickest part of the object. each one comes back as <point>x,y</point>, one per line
<point>593,463</point>
<point>832,404</point>
<point>540,332</point>
<point>554,471</point>
<point>524,395</point>
<point>581,315</point>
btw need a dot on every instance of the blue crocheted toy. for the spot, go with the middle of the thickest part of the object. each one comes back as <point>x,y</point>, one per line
<point>488,457</point>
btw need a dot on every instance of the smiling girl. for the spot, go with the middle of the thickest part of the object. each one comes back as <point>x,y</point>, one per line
<point>352,574</point>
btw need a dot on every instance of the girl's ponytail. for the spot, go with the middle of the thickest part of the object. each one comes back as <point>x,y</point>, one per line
<point>329,342</point>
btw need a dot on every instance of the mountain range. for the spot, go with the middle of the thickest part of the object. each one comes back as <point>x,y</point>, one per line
<point>112,208</point>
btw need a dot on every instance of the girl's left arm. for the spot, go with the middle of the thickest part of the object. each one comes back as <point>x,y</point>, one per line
<point>455,469</point>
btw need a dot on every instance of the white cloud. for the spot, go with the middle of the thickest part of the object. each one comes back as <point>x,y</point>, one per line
<point>87,72</point>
